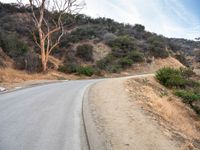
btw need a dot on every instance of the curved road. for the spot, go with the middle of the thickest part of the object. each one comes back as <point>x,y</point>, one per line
<point>45,117</point>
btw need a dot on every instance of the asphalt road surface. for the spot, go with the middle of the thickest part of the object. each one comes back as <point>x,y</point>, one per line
<point>47,117</point>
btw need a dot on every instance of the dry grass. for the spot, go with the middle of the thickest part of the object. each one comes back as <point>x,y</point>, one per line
<point>56,62</point>
<point>100,51</point>
<point>156,65</point>
<point>168,109</point>
<point>11,78</point>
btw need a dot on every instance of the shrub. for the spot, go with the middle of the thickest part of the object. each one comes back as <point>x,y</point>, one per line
<point>159,52</point>
<point>74,68</point>
<point>125,62</point>
<point>157,45</point>
<point>114,68</point>
<point>189,90</point>
<point>170,77</point>
<point>182,59</point>
<point>108,37</point>
<point>193,84</point>
<point>103,63</point>
<point>119,52</point>
<point>136,56</point>
<point>139,28</point>
<point>88,71</point>
<point>68,68</point>
<point>13,46</point>
<point>32,62</point>
<point>110,63</point>
<point>188,96</point>
<point>86,32</point>
<point>85,52</point>
<point>122,45</point>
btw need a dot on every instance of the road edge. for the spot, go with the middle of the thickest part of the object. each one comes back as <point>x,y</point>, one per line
<point>95,141</point>
<point>32,85</point>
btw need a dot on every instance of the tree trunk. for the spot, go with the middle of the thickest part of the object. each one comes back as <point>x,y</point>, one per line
<point>44,67</point>
<point>43,59</point>
<point>44,63</point>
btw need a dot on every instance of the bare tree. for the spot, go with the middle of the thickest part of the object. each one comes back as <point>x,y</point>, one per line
<point>48,17</point>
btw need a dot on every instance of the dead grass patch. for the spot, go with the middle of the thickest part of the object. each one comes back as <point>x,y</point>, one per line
<point>11,78</point>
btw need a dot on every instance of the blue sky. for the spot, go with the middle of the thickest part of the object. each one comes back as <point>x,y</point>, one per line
<point>172,18</point>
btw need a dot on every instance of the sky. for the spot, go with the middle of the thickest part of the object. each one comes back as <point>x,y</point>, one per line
<point>171,18</point>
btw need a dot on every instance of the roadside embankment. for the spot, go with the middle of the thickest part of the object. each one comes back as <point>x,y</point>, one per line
<point>114,121</point>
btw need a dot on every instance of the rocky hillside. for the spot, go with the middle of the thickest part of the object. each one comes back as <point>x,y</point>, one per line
<point>91,46</point>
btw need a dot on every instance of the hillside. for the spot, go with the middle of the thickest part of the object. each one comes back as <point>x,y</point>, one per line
<point>92,46</point>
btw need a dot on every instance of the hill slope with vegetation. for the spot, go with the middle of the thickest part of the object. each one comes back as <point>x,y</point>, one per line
<point>91,46</point>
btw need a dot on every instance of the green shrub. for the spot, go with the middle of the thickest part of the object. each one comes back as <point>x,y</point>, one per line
<point>136,56</point>
<point>88,71</point>
<point>193,84</point>
<point>125,62</point>
<point>187,96</point>
<point>103,63</point>
<point>108,37</point>
<point>182,59</point>
<point>189,90</point>
<point>139,28</point>
<point>68,68</point>
<point>87,32</point>
<point>170,77</point>
<point>122,45</point>
<point>176,81</point>
<point>74,68</point>
<point>85,52</point>
<point>114,68</point>
<point>119,52</point>
<point>13,46</point>
<point>157,45</point>
<point>110,63</point>
<point>158,52</point>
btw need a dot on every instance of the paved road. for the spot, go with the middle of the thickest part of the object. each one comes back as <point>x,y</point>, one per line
<point>46,117</point>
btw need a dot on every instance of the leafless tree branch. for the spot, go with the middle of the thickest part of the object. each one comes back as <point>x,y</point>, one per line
<point>47,16</point>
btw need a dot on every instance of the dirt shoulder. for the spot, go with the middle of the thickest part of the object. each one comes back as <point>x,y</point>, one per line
<point>125,123</point>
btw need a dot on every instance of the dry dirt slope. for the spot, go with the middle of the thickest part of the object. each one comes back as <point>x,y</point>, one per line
<point>125,124</point>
